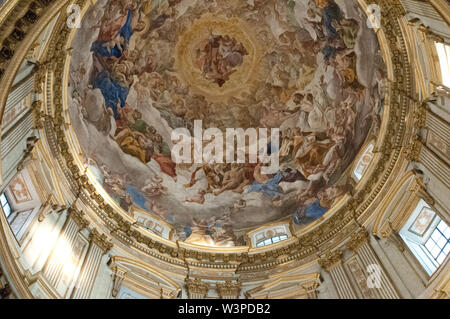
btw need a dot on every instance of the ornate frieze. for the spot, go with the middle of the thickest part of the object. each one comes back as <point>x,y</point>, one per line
<point>14,31</point>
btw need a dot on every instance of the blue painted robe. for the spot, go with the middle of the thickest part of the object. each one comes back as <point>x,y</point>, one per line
<point>112,91</point>
<point>315,211</point>
<point>125,32</point>
<point>271,188</point>
<point>137,196</point>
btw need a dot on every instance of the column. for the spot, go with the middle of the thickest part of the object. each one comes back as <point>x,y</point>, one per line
<point>98,246</point>
<point>332,262</point>
<point>55,263</point>
<point>359,243</point>
<point>196,288</point>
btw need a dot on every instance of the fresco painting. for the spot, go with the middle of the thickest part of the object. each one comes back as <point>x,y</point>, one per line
<point>141,69</point>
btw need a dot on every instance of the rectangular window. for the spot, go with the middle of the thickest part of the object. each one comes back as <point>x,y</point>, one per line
<point>438,244</point>
<point>5,205</point>
<point>271,241</point>
<point>428,237</point>
<point>443,51</point>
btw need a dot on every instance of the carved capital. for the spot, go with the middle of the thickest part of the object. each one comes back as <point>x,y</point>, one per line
<point>331,259</point>
<point>196,288</point>
<point>358,239</point>
<point>228,290</point>
<point>420,116</point>
<point>102,241</point>
<point>412,151</point>
<point>78,217</point>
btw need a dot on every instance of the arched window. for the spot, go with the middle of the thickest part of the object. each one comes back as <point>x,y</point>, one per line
<point>443,51</point>
<point>364,161</point>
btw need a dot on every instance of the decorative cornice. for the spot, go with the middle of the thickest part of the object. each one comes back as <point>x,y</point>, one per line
<point>13,32</point>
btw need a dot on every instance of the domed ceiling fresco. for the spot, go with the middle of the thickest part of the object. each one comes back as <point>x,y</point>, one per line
<point>141,69</point>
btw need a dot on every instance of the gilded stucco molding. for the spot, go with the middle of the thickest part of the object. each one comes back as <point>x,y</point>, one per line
<point>100,240</point>
<point>78,217</point>
<point>118,277</point>
<point>55,129</point>
<point>413,149</point>
<point>357,240</point>
<point>229,290</point>
<point>331,259</point>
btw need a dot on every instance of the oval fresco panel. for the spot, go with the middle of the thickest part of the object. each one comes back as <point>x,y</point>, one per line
<point>141,69</point>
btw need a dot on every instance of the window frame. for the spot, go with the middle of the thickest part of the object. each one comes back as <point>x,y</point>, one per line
<point>441,251</point>
<point>443,64</point>
<point>6,203</point>
<point>417,243</point>
<point>270,241</point>
<point>364,151</point>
